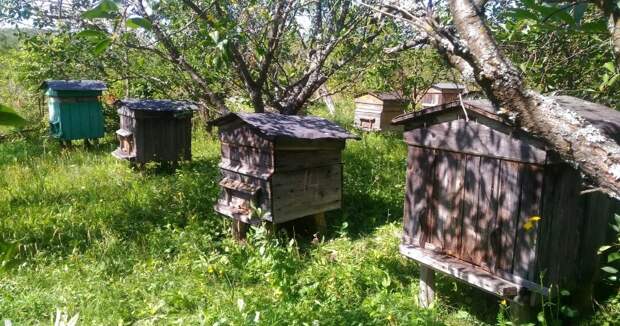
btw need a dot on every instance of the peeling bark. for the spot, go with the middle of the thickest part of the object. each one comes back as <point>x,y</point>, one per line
<point>572,137</point>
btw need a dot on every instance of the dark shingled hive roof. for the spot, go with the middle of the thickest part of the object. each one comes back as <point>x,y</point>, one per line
<point>156,105</point>
<point>74,85</point>
<point>274,125</point>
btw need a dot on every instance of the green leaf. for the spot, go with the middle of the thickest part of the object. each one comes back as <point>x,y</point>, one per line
<point>565,293</point>
<point>609,270</point>
<point>594,27</point>
<point>613,257</point>
<point>603,249</point>
<point>520,14</point>
<point>137,22</point>
<point>105,9</point>
<point>102,46</point>
<point>610,66</point>
<point>91,34</point>
<point>8,117</point>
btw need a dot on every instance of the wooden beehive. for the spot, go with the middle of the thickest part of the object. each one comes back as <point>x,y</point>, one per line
<point>154,130</point>
<point>475,187</point>
<point>288,166</point>
<point>375,111</point>
<point>75,111</point>
<point>442,93</point>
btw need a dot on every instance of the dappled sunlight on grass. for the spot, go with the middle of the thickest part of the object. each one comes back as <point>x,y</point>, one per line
<point>95,237</point>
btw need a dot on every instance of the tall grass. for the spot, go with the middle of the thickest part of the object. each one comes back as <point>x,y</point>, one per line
<point>84,233</point>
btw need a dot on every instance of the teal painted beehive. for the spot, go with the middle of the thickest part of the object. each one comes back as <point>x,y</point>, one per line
<point>75,111</point>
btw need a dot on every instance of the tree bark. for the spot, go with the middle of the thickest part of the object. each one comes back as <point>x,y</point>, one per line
<point>577,141</point>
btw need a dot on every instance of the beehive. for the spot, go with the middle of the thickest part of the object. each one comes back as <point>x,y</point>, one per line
<point>375,111</point>
<point>75,111</point>
<point>154,130</point>
<point>288,166</point>
<point>442,93</point>
<point>475,189</point>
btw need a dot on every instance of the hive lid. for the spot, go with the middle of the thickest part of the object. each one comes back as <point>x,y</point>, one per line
<point>291,126</point>
<point>156,105</point>
<point>482,107</point>
<point>606,119</point>
<point>388,96</point>
<point>447,85</point>
<point>74,85</point>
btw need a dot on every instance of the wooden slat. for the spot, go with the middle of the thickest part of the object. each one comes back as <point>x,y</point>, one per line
<point>298,160</point>
<point>241,134</point>
<point>464,271</point>
<point>305,192</point>
<point>289,144</point>
<point>239,186</point>
<point>419,183</point>
<point>469,236</point>
<point>475,138</point>
<point>447,200</point>
<point>246,156</point>
<point>508,212</point>
<point>486,221</point>
<point>530,203</point>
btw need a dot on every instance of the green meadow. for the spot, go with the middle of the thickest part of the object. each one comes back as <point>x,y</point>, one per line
<point>86,234</point>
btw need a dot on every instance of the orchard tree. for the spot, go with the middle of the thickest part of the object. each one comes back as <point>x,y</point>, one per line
<point>459,30</point>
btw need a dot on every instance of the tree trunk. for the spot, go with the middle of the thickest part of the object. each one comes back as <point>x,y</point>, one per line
<point>329,101</point>
<point>577,141</point>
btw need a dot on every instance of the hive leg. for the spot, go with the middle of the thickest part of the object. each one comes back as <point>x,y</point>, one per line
<point>427,287</point>
<point>522,309</point>
<point>320,224</point>
<point>240,230</point>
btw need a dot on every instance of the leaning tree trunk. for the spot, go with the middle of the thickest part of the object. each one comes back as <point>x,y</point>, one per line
<point>576,140</point>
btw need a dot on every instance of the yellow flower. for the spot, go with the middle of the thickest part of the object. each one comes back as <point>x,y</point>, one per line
<point>503,302</point>
<point>529,224</point>
<point>210,270</point>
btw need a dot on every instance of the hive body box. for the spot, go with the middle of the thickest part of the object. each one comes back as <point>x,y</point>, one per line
<point>154,130</point>
<point>375,111</point>
<point>288,166</point>
<point>74,108</point>
<point>473,187</point>
<point>442,93</point>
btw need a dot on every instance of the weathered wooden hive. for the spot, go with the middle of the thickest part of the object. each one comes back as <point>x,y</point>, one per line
<point>75,111</point>
<point>375,111</point>
<point>154,130</point>
<point>288,166</point>
<point>475,189</point>
<point>442,93</point>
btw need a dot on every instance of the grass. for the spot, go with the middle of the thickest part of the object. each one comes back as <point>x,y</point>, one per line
<point>84,233</point>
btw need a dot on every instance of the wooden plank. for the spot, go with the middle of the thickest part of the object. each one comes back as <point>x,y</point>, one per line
<point>419,185</point>
<point>447,201</point>
<point>246,156</point>
<point>469,235</point>
<point>305,192</point>
<point>308,144</point>
<point>475,138</point>
<point>427,287</point>
<point>508,212</point>
<point>298,160</point>
<point>486,243</point>
<point>240,133</point>
<point>527,229</point>
<point>469,273</point>
<point>598,214</point>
